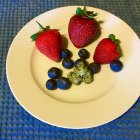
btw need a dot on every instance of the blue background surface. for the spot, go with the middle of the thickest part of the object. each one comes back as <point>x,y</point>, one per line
<point>15,122</point>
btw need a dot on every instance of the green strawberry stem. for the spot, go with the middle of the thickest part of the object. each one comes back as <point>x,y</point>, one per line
<point>117,42</point>
<point>40,26</point>
<point>42,29</point>
<point>85,13</point>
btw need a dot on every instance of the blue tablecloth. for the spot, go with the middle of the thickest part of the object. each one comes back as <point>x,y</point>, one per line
<point>15,122</point>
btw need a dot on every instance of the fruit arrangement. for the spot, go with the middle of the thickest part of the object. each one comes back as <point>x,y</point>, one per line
<point>82,29</point>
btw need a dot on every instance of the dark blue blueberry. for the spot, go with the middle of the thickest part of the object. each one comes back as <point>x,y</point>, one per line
<point>80,60</point>
<point>116,65</point>
<point>51,84</point>
<point>94,68</point>
<point>63,83</point>
<point>67,63</point>
<point>54,73</point>
<point>65,53</point>
<point>83,53</point>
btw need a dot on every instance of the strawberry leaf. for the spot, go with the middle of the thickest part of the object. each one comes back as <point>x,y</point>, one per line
<point>47,28</point>
<point>34,36</point>
<point>85,13</point>
<point>79,11</point>
<point>89,12</point>
<point>112,37</point>
<point>117,42</point>
<point>85,9</point>
<point>119,49</point>
<point>42,29</point>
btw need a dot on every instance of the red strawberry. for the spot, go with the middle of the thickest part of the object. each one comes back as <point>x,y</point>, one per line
<point>82,27</point>
<point>48,42</point>
<point>107,50</point>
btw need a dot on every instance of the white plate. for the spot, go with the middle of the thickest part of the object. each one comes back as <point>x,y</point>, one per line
<point>108,97</point>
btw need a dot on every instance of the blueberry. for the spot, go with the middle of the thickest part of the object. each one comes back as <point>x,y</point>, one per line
<point>80,60</point>
<point>94,67</point>
<point>116,65</point>
<point>51,84</point>
<point>63,83</point>
<point>65,53</point>
<point>54,73</point>
<point>83,53</point>
<point>67,63</point>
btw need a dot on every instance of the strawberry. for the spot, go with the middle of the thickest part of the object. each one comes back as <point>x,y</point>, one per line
<point>107,50</point>
<point>82,27</point>
<point>48,42</point>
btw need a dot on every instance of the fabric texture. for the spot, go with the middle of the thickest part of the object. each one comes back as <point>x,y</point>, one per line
<point>15,122</point>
